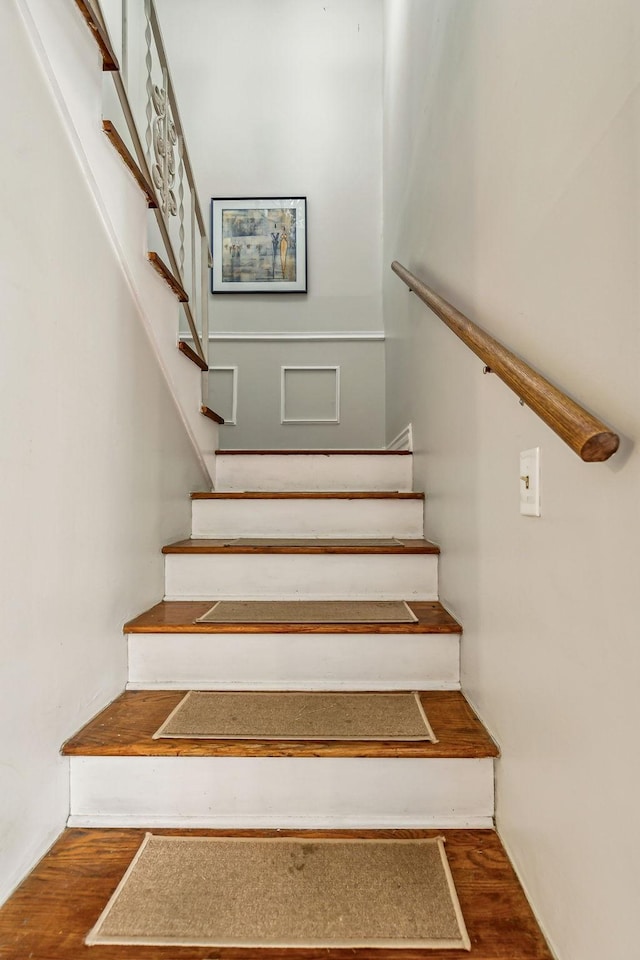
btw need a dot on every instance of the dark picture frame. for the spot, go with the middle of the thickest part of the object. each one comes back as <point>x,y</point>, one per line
<point>259,244</point>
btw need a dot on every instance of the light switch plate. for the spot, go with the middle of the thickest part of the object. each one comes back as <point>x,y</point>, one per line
<point>530,482</point>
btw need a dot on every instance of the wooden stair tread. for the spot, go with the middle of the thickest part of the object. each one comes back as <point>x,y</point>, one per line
<point>317,452</point>
<point>306,546</point>
<point>130,163</point>
<point>109,59</point>
<point>307,495</point>
<point>178,616</point>
<point>163,270</point>
<point>191,354</point>
<point>211,414</point>
<point>126,728</point>
<point>50,914</point>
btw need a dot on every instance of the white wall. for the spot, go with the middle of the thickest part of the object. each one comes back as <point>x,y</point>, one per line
<point>284,99</point>
<point>512,186</point>
<point>95,462</point>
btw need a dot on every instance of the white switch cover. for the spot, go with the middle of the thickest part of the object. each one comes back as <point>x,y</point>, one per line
<point>530,482</point>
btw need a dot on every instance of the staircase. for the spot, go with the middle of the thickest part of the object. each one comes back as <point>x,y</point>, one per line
<point>307,517</point>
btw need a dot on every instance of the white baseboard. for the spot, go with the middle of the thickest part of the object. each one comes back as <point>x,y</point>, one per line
<point>311,685</point>
<point>241,822</point>
<point>317,336</point>
<point>404,440</point>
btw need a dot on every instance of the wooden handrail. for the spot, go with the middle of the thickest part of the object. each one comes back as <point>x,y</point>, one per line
<point>587,436</point>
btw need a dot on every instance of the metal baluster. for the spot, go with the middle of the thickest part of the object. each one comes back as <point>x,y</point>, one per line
<point>149,84</point>
<point>124,63</point>
<point>204,312</point>
<point>181,205</point>
<point>164,126</point>
<point>194,289</point>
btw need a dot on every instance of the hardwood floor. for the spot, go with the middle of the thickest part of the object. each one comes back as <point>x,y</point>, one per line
<point>178,616</point>
<point>126,728</point>
<point>50,914</point>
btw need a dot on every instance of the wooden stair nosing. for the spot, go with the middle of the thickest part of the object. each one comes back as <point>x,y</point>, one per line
<point>179,616</point>
<point>307,495</point>
<point>125,729</point>
<point>163,270</point>
<point>109,59</point>
<point>191,354</point>
<point>211,414</point>
<point>318,452</point>
<point>227,546</point>
<point>129,161</point>
<point>84,866</point>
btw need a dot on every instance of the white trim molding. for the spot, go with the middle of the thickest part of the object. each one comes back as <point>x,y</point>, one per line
<point>283,372</point>
<point>233,420</point>
<point>404,440</point>
<point>317,336</point>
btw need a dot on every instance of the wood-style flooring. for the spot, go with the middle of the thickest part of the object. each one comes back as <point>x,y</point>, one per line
<point>50,914</point>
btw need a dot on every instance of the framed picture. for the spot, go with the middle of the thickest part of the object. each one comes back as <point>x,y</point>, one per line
<point>259,245</point>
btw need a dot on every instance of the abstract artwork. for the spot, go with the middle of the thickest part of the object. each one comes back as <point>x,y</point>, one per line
<point>259,245</point>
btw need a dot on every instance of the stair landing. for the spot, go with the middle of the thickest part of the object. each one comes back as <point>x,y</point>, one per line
<point>51,913</point>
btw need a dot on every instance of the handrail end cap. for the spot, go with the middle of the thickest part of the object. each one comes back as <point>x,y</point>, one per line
<point>600,447</point>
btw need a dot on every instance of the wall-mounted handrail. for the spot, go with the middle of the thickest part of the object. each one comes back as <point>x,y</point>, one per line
<point>591,439</point>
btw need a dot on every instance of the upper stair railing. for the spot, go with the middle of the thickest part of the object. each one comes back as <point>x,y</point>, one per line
<point>144,122</point>
<point>585,434</point>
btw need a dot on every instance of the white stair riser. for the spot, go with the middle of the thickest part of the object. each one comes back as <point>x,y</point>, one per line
<point>280,792</point>
<point>290,661</point>
<point>308,518</point>
<point>313,472</point>
<point>289,576</point>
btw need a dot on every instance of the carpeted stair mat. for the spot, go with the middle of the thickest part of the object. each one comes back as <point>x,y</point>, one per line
<point>297,716</point>
<point>309,611</point>
<point>285,892</point>
<point>313,542</point>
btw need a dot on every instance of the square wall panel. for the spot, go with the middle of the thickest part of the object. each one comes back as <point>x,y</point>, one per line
<point>310,395</point>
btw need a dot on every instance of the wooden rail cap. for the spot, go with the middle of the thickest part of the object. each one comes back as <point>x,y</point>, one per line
<point>587,436</point>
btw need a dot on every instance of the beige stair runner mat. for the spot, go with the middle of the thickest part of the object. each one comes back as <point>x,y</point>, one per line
<point>309,611</point>
<point>285,892</point>
<point>297,716</point>
<point>312,542</point>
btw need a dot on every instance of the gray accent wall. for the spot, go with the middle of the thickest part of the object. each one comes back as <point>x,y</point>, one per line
<point>284,99</point>
<point>299,381</point>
